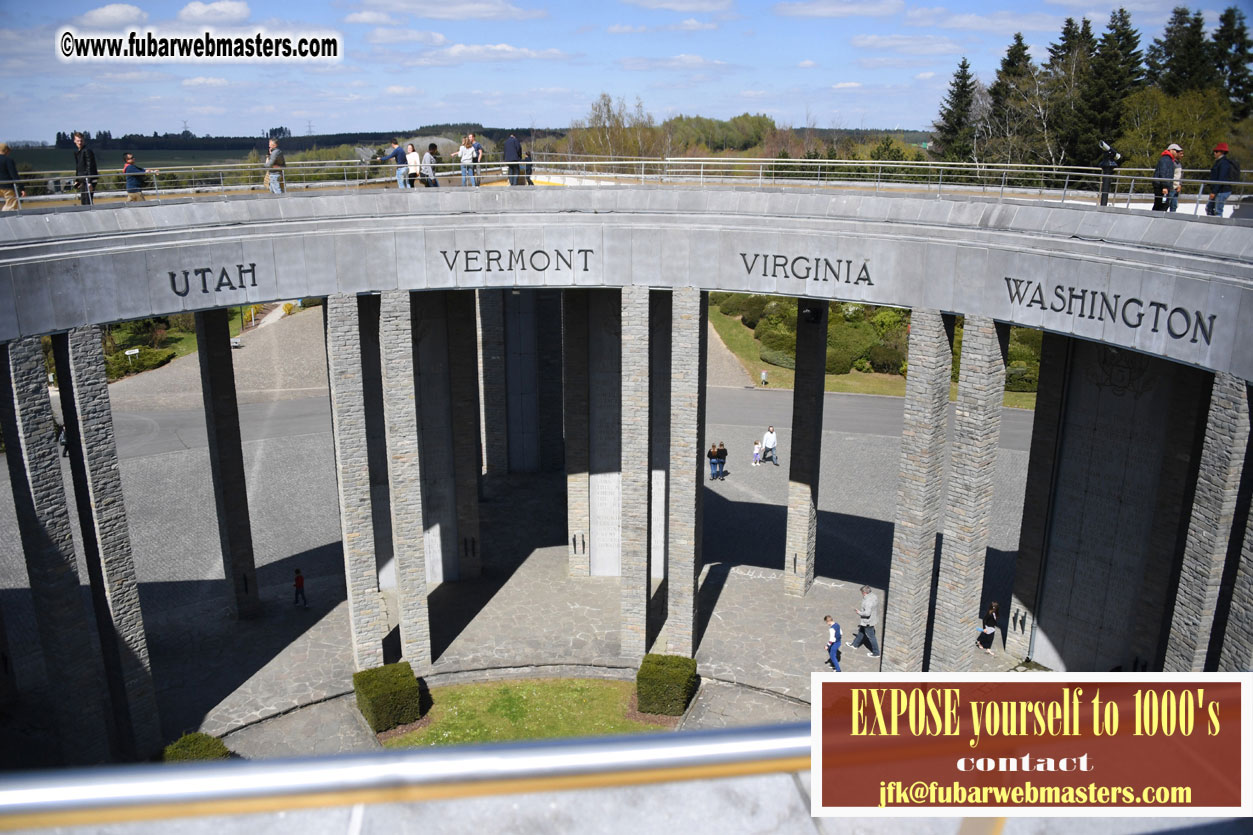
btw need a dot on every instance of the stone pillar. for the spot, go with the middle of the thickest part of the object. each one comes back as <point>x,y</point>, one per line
<point>636,493</point>
<point>492,391</point>
<point>918,498</point>
<point>604,456</point>
<point>435,419</point>
<point>1046,437</point>
<point>75,676</point>
<point>464,389</point>
<point>226,459</point>
<point>548,356</point>
<point>1237,651</point>
<point>1213,512</point>
<point>659,427</point>
<point>106,540</point>
<point>400,409</point>
<point>805,460</point>
<point>367,616</point>
<point>976,440</point>
<point>578,517</point>
<point>687,446</point>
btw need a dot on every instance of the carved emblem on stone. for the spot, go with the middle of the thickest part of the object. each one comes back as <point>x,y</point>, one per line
<point>1122,372</point>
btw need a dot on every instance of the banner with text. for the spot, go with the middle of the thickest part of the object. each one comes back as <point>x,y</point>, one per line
<point>1032,744</point>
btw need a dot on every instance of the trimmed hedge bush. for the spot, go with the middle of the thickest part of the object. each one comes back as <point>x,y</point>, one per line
<point>195,746</point>
<point>885,359</point>
<point>388,696</point>
<point>665,684</point>
<point>119,365</point>
<point>779,358</point>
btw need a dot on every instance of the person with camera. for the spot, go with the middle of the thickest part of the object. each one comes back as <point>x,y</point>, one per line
<point>1164,177</point>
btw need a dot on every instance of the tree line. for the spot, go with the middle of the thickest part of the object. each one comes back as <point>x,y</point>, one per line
<point>1186,87</point>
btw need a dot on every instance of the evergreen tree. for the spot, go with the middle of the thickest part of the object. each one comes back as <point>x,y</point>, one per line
<point>1067,76</point>
<point>1127,40</point>
<point>1183,58</point>
<point>955,130</point>
<point>1007,116</point>
<point>1234,51</point>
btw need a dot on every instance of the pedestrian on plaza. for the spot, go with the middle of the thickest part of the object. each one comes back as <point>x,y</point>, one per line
<point>466,154</point>
<point>276,162</point>
<point>62,441</point>
<point>10,187</point>
<point>1176,183</point>
<point>402,166</point>
<point>478,160</point>
<point>722,461</point>
<point>712,455</point>
<point>770,446</point>
<point>84,169</point>
<point>866,613</point>
<point>984,640</point>
<point>756,453</point>
<point>1222,174</point>
<point>513,156</point>
<point>1164,177</point>
<point>300,590</point>
<point>134,182</point>
<point>413,161</point>
<point>429,159</point>
<point>833,643</point>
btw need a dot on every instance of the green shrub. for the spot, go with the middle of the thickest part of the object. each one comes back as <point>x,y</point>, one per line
<point>885,359</point>
<point>777,339</point>
<point>312,301</point>
<point>779,358</point>
<point>751,310</point>
<point>847,342</point>
<point>862,365</point>
<point>1022,377</point>
<point>665,684</point>
<point>195,746</point>
<point>119,365</point>
<point>388,696</point>
<point>839,362</point>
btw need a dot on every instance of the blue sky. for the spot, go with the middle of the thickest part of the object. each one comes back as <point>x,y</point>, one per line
<point>832,63</point>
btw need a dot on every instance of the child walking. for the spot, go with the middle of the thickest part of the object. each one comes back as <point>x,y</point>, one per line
<point>756,453</point>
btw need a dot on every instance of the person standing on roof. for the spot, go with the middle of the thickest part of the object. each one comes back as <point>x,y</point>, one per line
<point>1164,177</point>
<point>1222,174</point>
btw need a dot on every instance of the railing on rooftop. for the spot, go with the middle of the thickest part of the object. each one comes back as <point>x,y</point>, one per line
<point>1127,187</point>
<point>127,793</point>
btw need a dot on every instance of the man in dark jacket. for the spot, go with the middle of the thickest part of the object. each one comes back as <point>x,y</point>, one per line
<point>1222,174</point>
<point>1164,178</point>
<point>134,182</point>
<point>84,169</point>
<point>10,184</point>
<point>513,156</point>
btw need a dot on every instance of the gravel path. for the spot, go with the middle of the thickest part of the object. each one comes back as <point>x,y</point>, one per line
<point>724,368</point>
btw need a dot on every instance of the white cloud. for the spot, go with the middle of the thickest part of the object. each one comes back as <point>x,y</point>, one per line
<point>846,85</point>
<point>624,29</point>
<point>807,64</point>
<point>753,94</point>
<point>693,25</point>
<point>381,35</point>
<point>462,10</point>
<point>372,18</point>
<point>113,15</point>
<point>683,5</point>
<point>475,53</point>
<point>132,77</point>
<point>678,62</point>
<point>923,76</point>
<point>205,81</point>
<point>908,44</point>
<point>840,8</point>
<point>396,90</point>
<point>221,11</point>
<point>999,23</point>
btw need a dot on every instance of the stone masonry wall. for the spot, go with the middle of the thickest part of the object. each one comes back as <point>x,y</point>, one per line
<point>919,497</point>
<point>804,470</point>
<point>636,495</point>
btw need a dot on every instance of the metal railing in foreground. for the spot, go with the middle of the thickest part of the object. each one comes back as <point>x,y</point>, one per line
<point>149,792</point>
<point>1037,182</point>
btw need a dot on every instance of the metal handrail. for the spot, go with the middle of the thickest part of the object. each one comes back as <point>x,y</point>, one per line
<point>128,793</point>
<point>993,179</point>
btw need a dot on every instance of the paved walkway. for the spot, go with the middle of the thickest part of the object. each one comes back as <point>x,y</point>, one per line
<point>274,686</point>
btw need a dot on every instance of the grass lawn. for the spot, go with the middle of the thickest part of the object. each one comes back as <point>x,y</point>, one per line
<point>526,709</point>
<point>748,351</point>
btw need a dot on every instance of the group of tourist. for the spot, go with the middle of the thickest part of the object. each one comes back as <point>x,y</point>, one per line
<point>412,168</point>
<point>767,447</point>
<point>867,614</point>
<point>1168,179</point>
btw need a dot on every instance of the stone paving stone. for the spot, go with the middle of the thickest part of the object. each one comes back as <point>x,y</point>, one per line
<point>331,727</point>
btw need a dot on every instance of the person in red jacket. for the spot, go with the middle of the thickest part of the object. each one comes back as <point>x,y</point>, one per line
<point>300,590</point>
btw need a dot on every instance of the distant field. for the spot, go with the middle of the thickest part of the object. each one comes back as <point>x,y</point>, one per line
<point>54,159</point>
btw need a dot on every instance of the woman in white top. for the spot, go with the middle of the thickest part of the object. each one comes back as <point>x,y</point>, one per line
<point>428,167</point>
<point>467,153</point>
<point>411,157</point>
